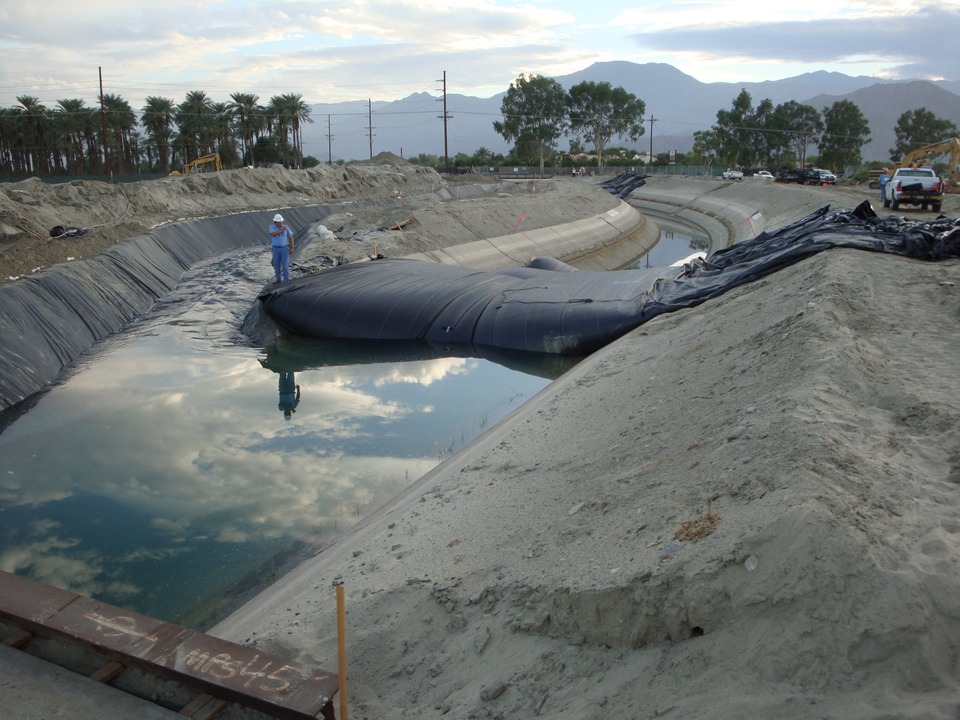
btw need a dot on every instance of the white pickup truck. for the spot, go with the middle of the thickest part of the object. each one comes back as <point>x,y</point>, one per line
<point>731,174</point>
<point>914,186</point>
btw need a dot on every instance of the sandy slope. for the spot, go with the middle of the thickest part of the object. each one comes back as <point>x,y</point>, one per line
<point>748,509</point>
<point>809,422</point>
<point>111,213</point>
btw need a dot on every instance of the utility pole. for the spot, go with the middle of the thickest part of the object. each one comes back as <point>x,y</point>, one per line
<point>103,127</point>
<point>370,125</point>
<point>651,120</point>
<point>329,143</point>
<point>445,117</point>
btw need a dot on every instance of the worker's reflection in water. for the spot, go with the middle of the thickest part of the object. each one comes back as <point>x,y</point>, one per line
<point>289,394</point>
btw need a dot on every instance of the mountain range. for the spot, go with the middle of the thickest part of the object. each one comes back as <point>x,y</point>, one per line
<point>678,104</point>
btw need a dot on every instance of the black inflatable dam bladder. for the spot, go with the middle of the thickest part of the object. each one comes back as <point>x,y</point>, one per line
<point>549,307</point>
<point>532,309</point>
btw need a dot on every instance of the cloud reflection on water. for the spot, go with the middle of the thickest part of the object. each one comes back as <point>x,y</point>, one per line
<point>191,448</point>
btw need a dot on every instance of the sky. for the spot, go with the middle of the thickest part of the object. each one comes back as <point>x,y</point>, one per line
<point>333,51</point>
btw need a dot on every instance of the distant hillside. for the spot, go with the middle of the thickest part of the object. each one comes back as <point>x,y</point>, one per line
<point>679,104</point>
<point>884,104</point>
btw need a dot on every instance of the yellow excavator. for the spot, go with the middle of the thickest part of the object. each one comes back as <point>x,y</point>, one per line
<point>925,155</point>
<point>200,165</point>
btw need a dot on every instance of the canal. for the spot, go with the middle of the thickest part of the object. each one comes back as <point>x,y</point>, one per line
<point>176,470</point>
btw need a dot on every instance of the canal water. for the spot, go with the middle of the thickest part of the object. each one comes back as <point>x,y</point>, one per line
<point>176,469</point>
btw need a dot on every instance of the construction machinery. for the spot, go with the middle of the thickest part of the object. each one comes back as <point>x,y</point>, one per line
<point>200,165</point>
<point>925,155</point>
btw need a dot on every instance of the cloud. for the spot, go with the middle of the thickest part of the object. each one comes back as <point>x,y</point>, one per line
<point>330,52</point>
<point>903,43</point>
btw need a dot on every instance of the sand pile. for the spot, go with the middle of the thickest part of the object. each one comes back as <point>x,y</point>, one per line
<point>108,213</point>
<point>401,196</point>
<point>748,509</point>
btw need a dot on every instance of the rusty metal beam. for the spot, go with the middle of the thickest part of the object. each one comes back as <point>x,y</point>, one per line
<point>270,684</point>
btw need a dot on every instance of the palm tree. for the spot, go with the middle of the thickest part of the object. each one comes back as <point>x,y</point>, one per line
<point>290,112</point>
<point>77,131</point>
<point>157,120</point>
<point>34,129</point>
<point>226,143</point>
<point>195,119</point>
<point>300,113</point>
<point>244,109</point>
<point>121,122</point>
<point>12,151</point>
<point>278,119</point>
<point>482,156</point>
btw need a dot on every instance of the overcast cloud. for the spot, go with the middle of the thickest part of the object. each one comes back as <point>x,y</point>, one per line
<point>387,49</point>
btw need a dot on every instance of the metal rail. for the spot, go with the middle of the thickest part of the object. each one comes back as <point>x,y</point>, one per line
<point>109,644</point>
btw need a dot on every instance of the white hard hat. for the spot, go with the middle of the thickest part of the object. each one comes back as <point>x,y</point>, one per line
<point>278,218</point>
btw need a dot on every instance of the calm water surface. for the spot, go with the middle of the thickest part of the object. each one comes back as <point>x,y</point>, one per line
<point>163,475</point>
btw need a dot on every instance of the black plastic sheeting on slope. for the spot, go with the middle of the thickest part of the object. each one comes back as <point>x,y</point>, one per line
<point>548,307</point>
<point>624,184</point>
<point>48,320</point>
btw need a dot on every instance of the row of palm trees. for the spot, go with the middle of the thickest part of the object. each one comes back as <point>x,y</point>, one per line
<point>75,139</point>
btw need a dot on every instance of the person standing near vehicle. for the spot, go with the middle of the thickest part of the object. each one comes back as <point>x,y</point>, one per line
<point>884,179</point>
<point>281,241</point>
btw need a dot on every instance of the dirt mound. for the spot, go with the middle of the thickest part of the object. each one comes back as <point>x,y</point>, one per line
<point>800,425</point>
<point>107,213</point>
<point>95,215</point>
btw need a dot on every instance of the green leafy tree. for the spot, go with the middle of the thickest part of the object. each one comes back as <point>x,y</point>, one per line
<point>766,141</point>
<point>845,132</point>
<point>482,156</point>
<point>534,115</point>
<point>801,125</point>
<point>919,127</point>
<point>765,136</point>
<point>598,111</point>
<point>266,151</point>
<point>729,139</point>
<point>743,136</point>
<point>707,147</point>
<point>461,159</point>
<point>426,160</point>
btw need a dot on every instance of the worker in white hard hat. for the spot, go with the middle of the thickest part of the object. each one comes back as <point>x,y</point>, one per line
<point>281,241</point>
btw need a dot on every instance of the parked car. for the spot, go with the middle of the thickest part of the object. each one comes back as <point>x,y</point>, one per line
<point>826,176</point>
<point>763,175</point>
<point>731,174</point>
<point>802,176</point>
